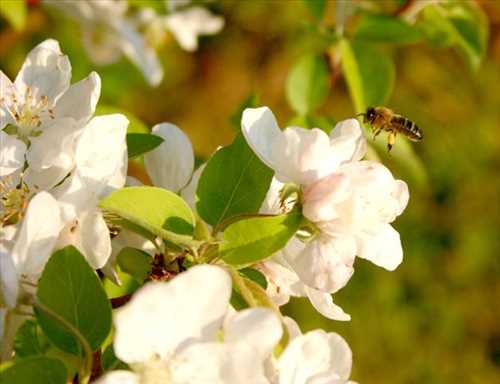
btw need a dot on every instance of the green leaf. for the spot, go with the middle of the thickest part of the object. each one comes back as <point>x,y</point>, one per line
<point>387,29</point>
<point>249,241</point>
<point>70,288</point>
<point>308,84</point>
<point>110,362</point>
<point>157,210</point>
<point>29,340</point>
<point>369,74</point>
<point>39,370</point>
<point>140,143</point>
<point>135,262</point>
<point>461,25</point>
<point>317,7</point>
<point>15,12</point>
<point>233,182</point>
<point>254,275</point>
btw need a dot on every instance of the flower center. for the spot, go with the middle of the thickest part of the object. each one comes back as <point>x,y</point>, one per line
<point>155,371</point>
<point>13,200</point>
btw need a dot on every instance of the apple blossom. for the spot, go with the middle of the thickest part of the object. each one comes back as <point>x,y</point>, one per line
<point>170,333</point>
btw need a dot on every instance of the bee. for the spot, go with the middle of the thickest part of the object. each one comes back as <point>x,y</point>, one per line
<point>384,119</point>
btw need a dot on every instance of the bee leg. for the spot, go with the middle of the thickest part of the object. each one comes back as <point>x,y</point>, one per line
<point>391,140</point>
<point>376,132</point>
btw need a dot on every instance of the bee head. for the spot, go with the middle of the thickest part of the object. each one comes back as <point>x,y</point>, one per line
<point>370,115</point>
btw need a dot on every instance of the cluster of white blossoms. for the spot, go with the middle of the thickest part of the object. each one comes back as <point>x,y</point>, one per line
<point>57,162</point>
<point>110,30</point>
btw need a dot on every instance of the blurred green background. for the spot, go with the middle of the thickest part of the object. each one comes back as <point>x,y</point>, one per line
<point>436,319</point>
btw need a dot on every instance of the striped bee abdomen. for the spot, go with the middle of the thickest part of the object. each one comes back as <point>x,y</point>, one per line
<point>407,128</point>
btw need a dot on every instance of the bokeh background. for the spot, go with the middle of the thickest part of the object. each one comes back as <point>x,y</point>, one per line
<point>436,319</point>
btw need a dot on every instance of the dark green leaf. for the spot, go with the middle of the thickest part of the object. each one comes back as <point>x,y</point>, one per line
<point>251,240</point>
<point>233,182</point>
<point>135,262</point>
<point>254,275</point>
<point>109,361</point>
<point>140,143</point>
<point>157,210</point>
<point>387,29</point>
<point>29,340</point>
<point>70,288</point>
<point>308,84</point>
<point>39,370</point>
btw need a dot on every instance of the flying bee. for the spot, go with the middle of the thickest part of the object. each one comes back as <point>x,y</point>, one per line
<point>384,119</point>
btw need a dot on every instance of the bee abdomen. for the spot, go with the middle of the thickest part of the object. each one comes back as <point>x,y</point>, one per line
<point>408,128</point>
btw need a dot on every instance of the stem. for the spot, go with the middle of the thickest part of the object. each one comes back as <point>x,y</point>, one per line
<point>12,323</point>
<point>239,282</point>
<point>86,369</point>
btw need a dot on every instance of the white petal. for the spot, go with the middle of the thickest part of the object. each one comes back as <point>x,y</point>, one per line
<point>282,281</point>
<point>100,150</point>
<point>325,263</point>
<point>46,71</point>
<point>272,202</point>
<point>188,193</point>
<point>401,195</point>
<point>12,153</point>
<point>348,140</point>
<point>7,92</point>
<point>119,377</point>
<point>80,100</point>
<point>218,363</point>
<point>38,234</point>
<point>313,356</point>
<point>171,164</point>
<point>382,246</point>
<point>95,241</point>
<point>323,303</point>
<point>9,286</point>
<point>44,179</point>
<point>259,328</point>
<point>261,132</point>
<point>292,327</point>
<point>190,307</point>
<point>135,48</point>
<point>187,25</point>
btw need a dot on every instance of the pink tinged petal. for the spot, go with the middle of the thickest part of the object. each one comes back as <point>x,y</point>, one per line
<point>119,377</point>
<point>381,245</point>
<point>323,303</point>
<point>7,92</point>
<point>189,307</point>
<point>259,328</point>
<point>171,164</point>
<point>316,357</point>
<point>187,25</point>
<point>38,234</point>
<point>348,140</point>
<point>80,100</point>
<point>46,71</point>
<point>261,132</point>
<point>322,197</point>
<point>325,263</point>
<point>221,363</point>
<point>12,153</point>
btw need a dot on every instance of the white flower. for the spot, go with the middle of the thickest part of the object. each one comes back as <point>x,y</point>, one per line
<point>45,116</point>
<point>350,202</point>
<point>168,333</point>
<point>108,33</point>
<point>101,167</point>
<point>188,24</point>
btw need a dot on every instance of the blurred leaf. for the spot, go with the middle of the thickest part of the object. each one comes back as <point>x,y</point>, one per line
<point>233,182</point>
<point>386,29</point>
<point>39,370</point>
<point>369,74</point>
<point>135,125</point>
<point>307,84</point>
<point>252,101</point>
<point>158,6</point>
<point>70,288</point>
<point>251,240</point>
<point>109,361</point>
<point>461,25</point>
<point>157,210</point>
<point>313,121</point>
<point>254,275</point>
<point>15,12</point>
<point>28,341</point>
<point>135,262</point>
<point>140,143</point>
<point>317,7</point>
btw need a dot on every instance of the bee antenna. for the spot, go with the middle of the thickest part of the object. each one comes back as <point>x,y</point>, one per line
<point>360,114</point>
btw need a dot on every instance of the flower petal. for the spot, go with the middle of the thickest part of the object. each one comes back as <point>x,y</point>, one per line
<point>348,140</point>
<point>190,307</point>
<point>258,328</point>
<point>46,72</point>
<point>8,92</point>
<point>119,377</point>
<point>323,303</point>
<point>9,285</point>
<point>12,153</point>
<point>325,263</point>
<point>171,164</point>
<point>381,245</point>
<point>38,234</point>
<point>188,193</point>
<point>80,100</point>
<point>226,363</point>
